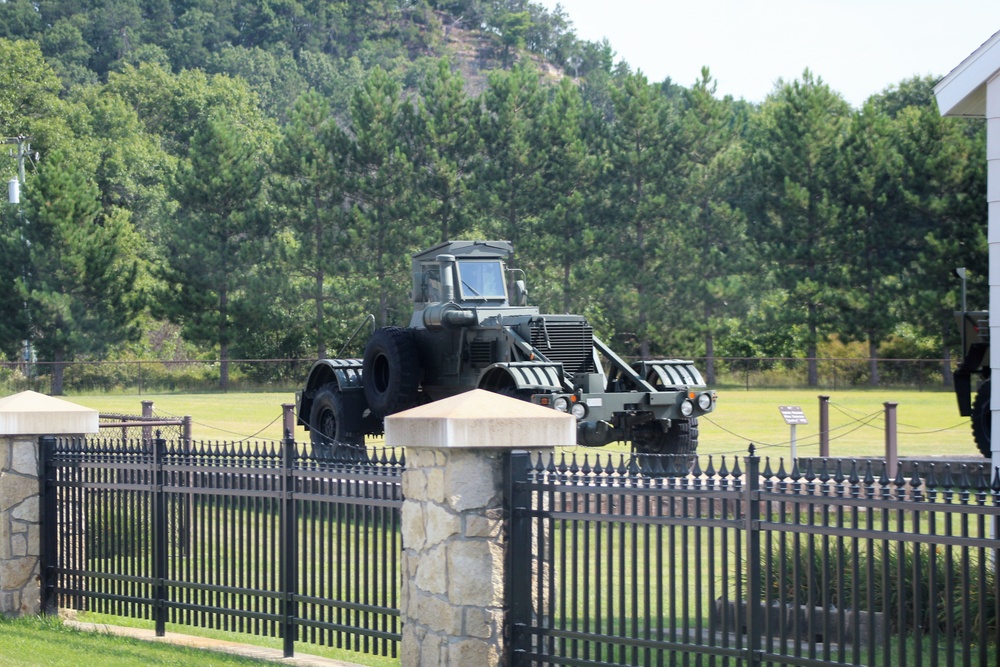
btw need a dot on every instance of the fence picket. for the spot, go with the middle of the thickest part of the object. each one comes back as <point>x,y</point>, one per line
<point>826,565</point>
<point>218,543</point>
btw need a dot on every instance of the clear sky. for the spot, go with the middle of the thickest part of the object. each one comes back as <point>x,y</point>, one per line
<point>858,47</point>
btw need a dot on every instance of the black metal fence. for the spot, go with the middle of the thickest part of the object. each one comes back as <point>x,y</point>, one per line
<point>260,538</point>
<point>723,565</point>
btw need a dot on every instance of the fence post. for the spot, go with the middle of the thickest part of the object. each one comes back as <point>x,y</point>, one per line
<point>147,413</point>
<point>891,445</point>
<point>288,420</point>
<point>824,426</point>
<point>49,536</point>
<point>159,538</point>
<point>754,599</point>
<point>453,604</point>
<point>518,567</point>
<point>289,550</point>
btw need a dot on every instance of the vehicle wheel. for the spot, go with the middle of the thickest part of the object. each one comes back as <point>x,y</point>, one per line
<point>660,452</point>
<point>680,438</point>
<point>982,419</point>
<point>327,428</point>
<point>391,371</point>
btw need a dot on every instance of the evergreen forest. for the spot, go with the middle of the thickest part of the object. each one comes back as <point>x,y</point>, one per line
<point>212,179</point>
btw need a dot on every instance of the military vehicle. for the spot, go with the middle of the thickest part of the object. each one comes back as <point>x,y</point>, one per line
<point>974,326</point>
<point>472,328</point>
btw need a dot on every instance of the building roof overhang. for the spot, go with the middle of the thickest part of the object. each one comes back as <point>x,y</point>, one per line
<point>963,91</point>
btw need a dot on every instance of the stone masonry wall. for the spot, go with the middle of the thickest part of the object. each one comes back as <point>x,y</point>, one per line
<point>20,535</point>
<point>453,588</point>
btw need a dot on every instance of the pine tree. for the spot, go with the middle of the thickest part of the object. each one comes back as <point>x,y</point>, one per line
<point>79,285</point>
<point>389,213</point>
<point>642,227</point>
<point>714,282</point>
<point>796,146</point>
<point>879,242</point>
<point>510,178</point>
<point>311,161</point>
<point>213,240</point>
<point>569,175</point>
<point>447,142</point>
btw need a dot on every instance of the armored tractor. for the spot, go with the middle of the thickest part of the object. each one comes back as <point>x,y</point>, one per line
<point>472,328</point>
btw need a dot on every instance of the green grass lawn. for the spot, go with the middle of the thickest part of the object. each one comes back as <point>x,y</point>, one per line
<point>46,642</point>
<point>928,422</point>
<point>350,657</point>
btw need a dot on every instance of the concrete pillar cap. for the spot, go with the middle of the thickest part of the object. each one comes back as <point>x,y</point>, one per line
<point>480,419</point>
<point>31,413</point>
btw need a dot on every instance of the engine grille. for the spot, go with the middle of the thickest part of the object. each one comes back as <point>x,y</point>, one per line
<point>480,353</point>
<point>571,343</point>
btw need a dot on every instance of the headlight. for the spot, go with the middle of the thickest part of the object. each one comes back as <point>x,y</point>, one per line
<point>561,404</point>
<point>705,401</point>
<point>579,411</point>
<point>687,408</point>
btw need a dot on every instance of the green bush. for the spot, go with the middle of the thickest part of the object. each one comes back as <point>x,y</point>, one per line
<point>887,576</point>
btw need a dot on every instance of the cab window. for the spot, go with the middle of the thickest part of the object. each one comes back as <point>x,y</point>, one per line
<point>431,284</point>
<point>481,280</point>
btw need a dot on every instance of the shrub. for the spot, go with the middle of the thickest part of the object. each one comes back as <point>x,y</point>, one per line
<point>887,578</point>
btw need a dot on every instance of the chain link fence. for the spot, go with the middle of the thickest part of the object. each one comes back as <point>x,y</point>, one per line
<point>156,377</point>
<point>831,374</point>
<point>165,377</point>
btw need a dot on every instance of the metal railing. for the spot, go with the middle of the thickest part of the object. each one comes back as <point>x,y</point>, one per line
<point>617,561</point>
<point>260,538</point>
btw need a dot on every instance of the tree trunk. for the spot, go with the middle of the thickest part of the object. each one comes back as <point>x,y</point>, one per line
<point>873,362</point>
<point>709,359</point>
<point>59,359</point>
<point>813,370</point>
<point>224,367</point>
<point>320,279</point>
<point>320,340</point>
<point>224,340</point>
<point>946,370</point>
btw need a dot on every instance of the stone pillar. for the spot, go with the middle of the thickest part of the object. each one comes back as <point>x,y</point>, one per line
<point>24,418</point>
<point>454,549</point>
<point>20,545</point>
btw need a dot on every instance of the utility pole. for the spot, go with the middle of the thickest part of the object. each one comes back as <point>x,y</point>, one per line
<point>23,150</point>
<point>14,197</point>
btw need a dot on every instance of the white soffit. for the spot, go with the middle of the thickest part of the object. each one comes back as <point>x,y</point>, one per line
<point>31,413</point>
<point>963,91</point>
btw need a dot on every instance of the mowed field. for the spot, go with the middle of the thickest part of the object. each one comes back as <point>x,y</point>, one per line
<point>928,422</point>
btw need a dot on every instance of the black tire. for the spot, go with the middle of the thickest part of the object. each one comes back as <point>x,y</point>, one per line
<point>680,438</point>
<point>328,432</point>
<point>982,419</point>
<point>391,371</point>
<point>669,452</point>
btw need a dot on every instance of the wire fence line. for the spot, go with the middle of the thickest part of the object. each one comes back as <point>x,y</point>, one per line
<point>184,376</point>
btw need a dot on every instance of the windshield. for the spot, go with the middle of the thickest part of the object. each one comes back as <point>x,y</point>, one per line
<point>481,279</point>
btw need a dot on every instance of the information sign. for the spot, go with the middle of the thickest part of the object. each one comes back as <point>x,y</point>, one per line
<point>793,414</point>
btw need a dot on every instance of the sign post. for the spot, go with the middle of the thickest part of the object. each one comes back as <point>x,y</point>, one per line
<point>793,416</point>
